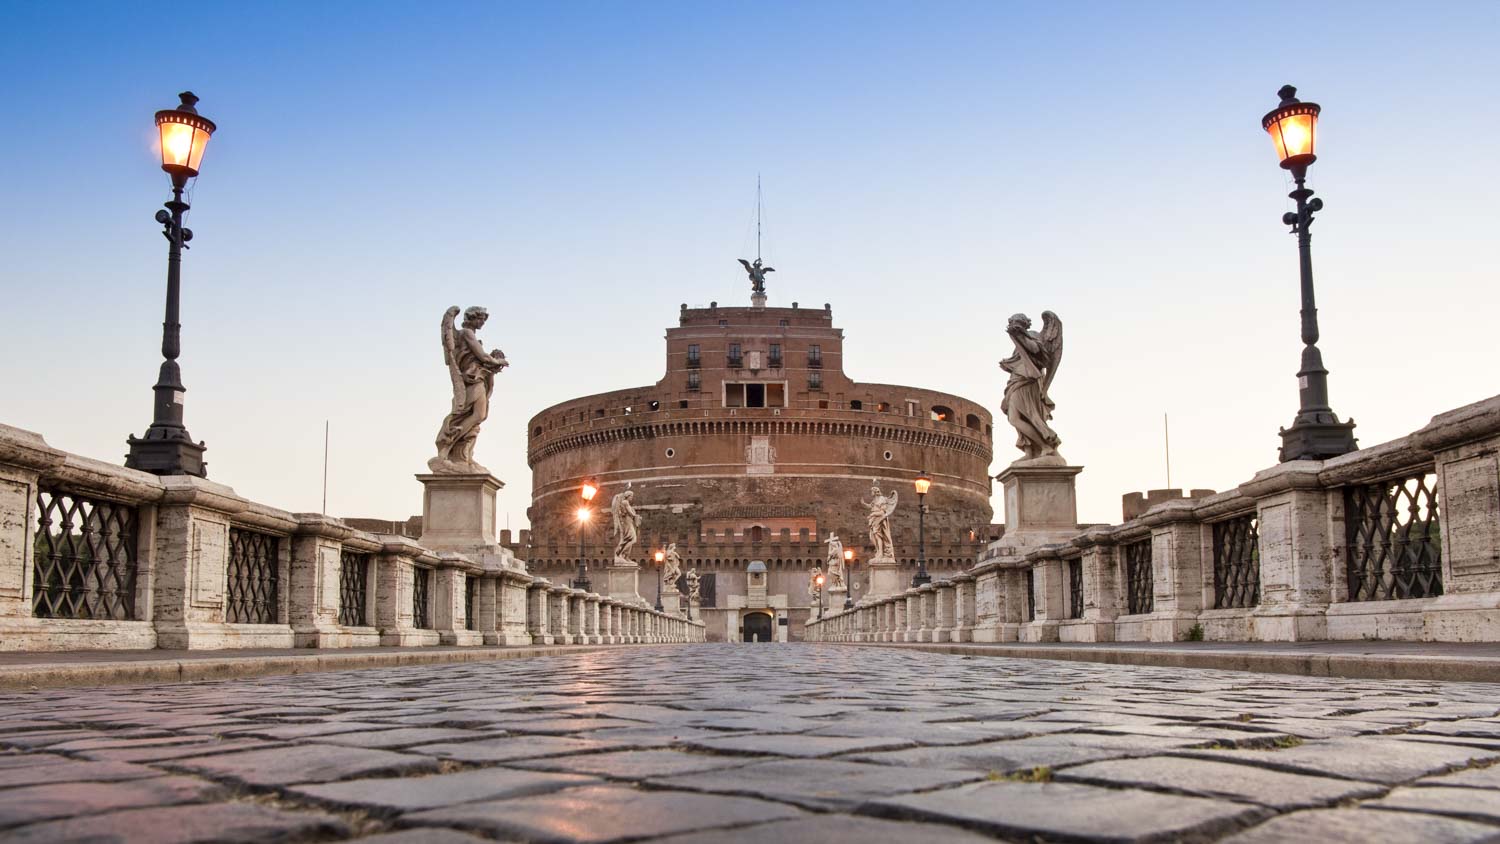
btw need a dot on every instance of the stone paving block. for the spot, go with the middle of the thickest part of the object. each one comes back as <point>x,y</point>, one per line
<point>818,783</point>
<point>60,800</point>
<point>599,814</point>
<point>646,735</point>
<point>1068,811</point>
<point>287,732</point>
<point>947,732</point>
<point>1204,778</point>
<point>161,753</point>
<point>1369,759</point>
<point>290,765</point>
<point>1022,754</point>
<point>397,794</point>
<point>565,726</point>
<point>51,769</point>
<point>43,738</point>
<point>796,745</point>
<point>516,747</point>
<point>637,764</point>
<point>1365,826</point>
<point>1468,778</point>
<point>221,823</point>
<point>403,737</point>
<point>1475,729</point>
<point>1465,803</point>
<point>425,835</point>
<point>832,829</point>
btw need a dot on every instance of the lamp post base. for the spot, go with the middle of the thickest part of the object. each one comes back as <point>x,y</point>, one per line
<point>160,453</point>
<point>1317,436</point>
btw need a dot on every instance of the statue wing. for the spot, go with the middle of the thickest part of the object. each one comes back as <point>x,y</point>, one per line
<point>768,269</point>
<point>1052,341</point>
<point>450,357</point>
<point>748,268</point>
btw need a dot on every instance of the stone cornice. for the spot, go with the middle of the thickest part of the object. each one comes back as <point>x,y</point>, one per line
<point>1476,421</point>
<point>321,526</point>
<point>1293,475</point>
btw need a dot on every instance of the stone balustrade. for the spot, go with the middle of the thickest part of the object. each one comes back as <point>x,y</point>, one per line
<point>1397,541</point>
<point>93,555</point>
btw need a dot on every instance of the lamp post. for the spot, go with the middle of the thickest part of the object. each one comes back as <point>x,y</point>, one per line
<point>822,607</point>
<point>167,448</point>
<point>923,483</point>
<point>848,578</point>
<point>587,491</point>
<point>661,557</point>
<point>1316,433</point>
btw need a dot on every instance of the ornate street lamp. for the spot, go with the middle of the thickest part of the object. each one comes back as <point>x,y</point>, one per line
<point>167,448</point>
<point>848,578</point>
<point>587,491</point>
<point>822,607</point>
<point>923,483</point>
<point>1316,433</point>
<point>661,557</point>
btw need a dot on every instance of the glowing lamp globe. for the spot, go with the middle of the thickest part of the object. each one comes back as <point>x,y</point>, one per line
<point>1293,127</point>
<point>589,490</point>
<point>583,514</point>
<point>660,556</point>
<point>184,136</point>
<point>848,554</point>
<point>923,483</point>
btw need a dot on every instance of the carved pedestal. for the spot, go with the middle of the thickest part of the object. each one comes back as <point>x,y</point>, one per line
<point>623,582</point>
<point>671,602</point>
<point>458,512</point>
<point>885,579</point>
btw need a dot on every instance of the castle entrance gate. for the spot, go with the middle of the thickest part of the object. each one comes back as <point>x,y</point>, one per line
<point>758,627</point>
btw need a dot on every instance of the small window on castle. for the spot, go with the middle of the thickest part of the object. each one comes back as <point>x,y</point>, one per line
<point>735,355</point>
<point>814,380</point>
<point>693,358</point>
<point>723,323</point>
<point>941,413</point>
<point>537,432</point>
<point>599,414</point>
<point>695,381</point>
<point>682,404</point>
<point>972,421</point>
<point>856,404</point>
<point>883,407</point>
<point>822,404</point>
<point>784,323</point>
<point>629,410</point>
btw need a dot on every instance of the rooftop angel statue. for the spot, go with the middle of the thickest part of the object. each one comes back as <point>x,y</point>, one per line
<point>1027,406</point>
<point>757,275</point>
<point>472,371</point>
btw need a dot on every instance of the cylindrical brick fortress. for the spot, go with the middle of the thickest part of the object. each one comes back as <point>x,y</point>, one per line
<point>754,442</point>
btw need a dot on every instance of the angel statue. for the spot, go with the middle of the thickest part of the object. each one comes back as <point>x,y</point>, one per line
<point>692,580</point>
<point>836,574</point>
<point>880,508</point>
<point>671,567</point>
<point>472,371</point>
<point>814,586</point>
<point>757,275</point>
<point>626,524</point>
<point>1027,405</point>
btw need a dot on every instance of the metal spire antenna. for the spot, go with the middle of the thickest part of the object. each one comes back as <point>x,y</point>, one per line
<point>757,271</point>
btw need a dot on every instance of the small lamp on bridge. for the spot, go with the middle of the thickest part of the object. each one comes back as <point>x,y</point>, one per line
<point>587,491</point>
<point>661,557</point>
<point>923,483</point>
<point>184,136</point>
<point>848,581</point>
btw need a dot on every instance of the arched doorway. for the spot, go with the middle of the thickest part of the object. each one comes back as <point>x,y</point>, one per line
<point>758,627</point>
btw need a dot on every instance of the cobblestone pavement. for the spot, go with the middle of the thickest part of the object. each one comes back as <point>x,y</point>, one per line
<point>756,743</point>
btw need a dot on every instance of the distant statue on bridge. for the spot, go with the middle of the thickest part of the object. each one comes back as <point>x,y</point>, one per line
<point>671,567</point>
<point>880,507</point>
<point>1027,406</point>
<point>692,579</point>
<point>835,562</point>
<point>627,523</point>
<point>472,372</point>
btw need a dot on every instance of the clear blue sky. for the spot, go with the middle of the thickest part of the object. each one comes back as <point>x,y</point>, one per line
<point>582,169</point>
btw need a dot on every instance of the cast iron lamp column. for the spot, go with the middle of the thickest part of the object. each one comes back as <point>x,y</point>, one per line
<point>661,557</point>
<point>848,578</point>
<point>923,483</point>
<point>822,607</point>
<point>167,448</point>
<point>587,491</point>
<point>1316,433</point>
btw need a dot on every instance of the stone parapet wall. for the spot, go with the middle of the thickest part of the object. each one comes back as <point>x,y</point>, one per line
<point>1397,541</point>
<point>93,556</point>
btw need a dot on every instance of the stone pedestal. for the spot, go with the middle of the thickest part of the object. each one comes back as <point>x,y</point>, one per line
<point>693,610</point>
<point>623,582</point>
<point>885,579</point>
<point>671,602</point>
<point>1040,505</point>
<point>458,512</point>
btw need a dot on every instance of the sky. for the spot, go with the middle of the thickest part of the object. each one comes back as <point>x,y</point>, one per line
<point>581,169</point>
